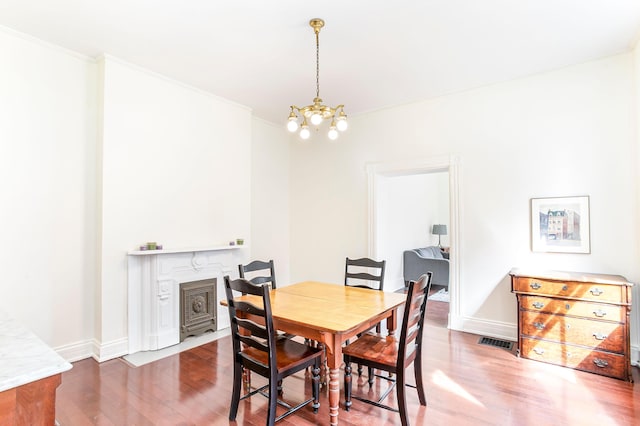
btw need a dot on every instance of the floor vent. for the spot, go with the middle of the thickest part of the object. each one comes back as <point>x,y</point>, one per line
<point>489,341</point>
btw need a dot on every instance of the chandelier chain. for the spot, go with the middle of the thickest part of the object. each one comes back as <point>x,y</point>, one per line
<point>317,64</point>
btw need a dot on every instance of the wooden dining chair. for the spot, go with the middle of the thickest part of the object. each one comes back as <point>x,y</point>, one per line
<point>387,354</point>
<point>365,273</point>
<point>256,348</point>
<point>359,273</point>
<point>260,272</point>
<point>256,272</point>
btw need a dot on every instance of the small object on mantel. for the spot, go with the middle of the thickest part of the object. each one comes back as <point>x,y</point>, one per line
<point>240,241</point>
<point>232,243</point>
<point>151,245</point>
<point>143,248</point>
<point>159,247</point>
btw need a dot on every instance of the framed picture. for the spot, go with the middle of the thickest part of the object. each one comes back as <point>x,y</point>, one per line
<point>560,225</point>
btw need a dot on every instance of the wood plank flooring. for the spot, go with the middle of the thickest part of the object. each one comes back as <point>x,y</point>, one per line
<point>466,384</point>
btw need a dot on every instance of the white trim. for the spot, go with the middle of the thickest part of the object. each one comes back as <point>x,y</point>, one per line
<point>76,351</point>
<point>35,40</point>
<point>496,329</point>
<point>106,56</point>
<point>114,349</point>
<point>419,166</point>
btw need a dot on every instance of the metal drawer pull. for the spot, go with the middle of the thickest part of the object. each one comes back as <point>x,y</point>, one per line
<point>565,288</point>
<point>599,313</point>
<point>599,336</point>
<point>600,362</point>
<point>538,325</point>
<point>538,305</point>
<point>539,351</point>
<point>535,286</point>
<point>596,291</point>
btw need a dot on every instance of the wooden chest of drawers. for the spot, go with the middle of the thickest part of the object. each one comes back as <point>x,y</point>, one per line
<point>577,320</point>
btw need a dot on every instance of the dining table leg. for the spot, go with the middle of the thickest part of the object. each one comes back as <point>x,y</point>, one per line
<point>392,322</point>
<point>333,350</point>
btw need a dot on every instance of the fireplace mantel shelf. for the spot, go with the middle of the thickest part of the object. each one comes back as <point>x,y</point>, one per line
<point>184,250</point>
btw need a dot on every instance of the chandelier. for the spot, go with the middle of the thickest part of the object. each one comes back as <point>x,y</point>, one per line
<point>316,113</point>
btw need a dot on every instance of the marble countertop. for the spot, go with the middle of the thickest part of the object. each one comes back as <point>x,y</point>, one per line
<point>24,358</point>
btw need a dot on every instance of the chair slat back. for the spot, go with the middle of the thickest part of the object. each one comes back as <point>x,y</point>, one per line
<point>251,324</point>
<point>410,344</point>
<point>259,272</point>
<point>354,270</point>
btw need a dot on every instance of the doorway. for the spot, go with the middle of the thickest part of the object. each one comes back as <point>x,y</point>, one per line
<point>402,198</point>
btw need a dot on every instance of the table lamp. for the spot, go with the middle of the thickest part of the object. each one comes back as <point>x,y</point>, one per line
<point>439,230</point>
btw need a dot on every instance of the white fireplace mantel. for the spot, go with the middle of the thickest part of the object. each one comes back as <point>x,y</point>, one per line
<point>154,278</point>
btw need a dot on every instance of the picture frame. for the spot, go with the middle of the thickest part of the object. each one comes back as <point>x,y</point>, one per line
<point>560,225</point>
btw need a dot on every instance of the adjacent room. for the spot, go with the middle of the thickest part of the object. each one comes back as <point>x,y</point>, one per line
<point>473,164</point>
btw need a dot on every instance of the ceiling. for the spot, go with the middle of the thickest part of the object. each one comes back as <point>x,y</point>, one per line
<point>373,53</point>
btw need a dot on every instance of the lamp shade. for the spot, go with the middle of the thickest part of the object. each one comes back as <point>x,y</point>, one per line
<point>439,230</point>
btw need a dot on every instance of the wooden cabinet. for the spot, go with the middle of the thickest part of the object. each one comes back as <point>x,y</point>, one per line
<point>32,404</point>
<point>577,320</point>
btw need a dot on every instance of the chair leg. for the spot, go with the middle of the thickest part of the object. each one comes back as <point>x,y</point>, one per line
<point>402,398</point>
<point>315,383</point>
<point>417,370</point>
<point>273,401</point>
<point>246,379</point>
<point>347,385</point>
<point>370,370</point>
<point>235,394</point>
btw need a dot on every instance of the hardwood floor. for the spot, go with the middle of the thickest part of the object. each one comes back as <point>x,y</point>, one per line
<point>437,312</point>
<point>466,384</point>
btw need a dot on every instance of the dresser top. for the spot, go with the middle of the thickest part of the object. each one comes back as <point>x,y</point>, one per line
<point>586,277</point>
<point>24,358</point>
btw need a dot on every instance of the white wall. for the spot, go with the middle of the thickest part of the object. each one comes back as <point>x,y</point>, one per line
<point>47,185</point>
<point>408,206</point>
<point>173,171</point>
<point>503,135</point>
<point>270,197</point>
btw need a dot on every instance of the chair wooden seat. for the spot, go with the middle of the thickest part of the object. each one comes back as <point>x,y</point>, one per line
<point>289,355</point>
<point>378,350</point>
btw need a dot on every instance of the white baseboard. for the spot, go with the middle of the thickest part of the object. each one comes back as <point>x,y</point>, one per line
<point>94,349</point>
<point>114,349</point>
<point>76,351</point>
<point>482,327</point>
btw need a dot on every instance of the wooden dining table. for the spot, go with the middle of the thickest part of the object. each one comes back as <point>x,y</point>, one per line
<point>331,314</point>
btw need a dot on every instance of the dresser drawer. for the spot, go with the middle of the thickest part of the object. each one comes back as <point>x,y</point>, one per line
<point>575,308</point>
<point>594,361</point>
<point>603,335</point>
<point>608,293</point>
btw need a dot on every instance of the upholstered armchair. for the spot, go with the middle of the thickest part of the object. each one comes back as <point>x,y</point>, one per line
<point>418,261</point>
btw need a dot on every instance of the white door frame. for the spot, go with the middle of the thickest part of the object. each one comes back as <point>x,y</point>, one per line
<point>377,171</point>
